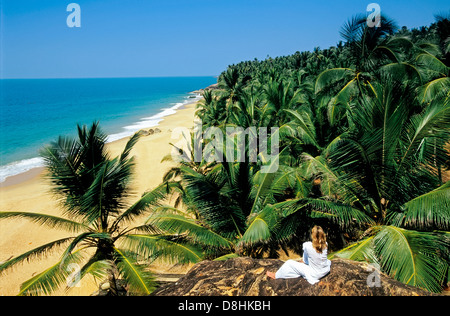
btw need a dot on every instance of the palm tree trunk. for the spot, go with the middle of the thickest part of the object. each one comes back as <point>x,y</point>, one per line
<point>113,290</point>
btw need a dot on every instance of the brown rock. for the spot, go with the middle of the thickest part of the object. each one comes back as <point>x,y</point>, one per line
<point>214,86</point>
<point>247,277</point>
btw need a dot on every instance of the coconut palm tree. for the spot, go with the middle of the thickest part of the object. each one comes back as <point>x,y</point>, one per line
<point>380,173</point>
<point>368,50</point>
<point>386,167</point>
<point>94,189</point>
<point>278,97</point>
<point>364,150</point>
<point>232,208</point>
<point>232,84</point>
<point>211,109</point>
<point>217,204</point>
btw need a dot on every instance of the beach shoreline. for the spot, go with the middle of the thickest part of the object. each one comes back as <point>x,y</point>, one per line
<point>32,167</point>
<point>22,177</point>
<point>31,192</point>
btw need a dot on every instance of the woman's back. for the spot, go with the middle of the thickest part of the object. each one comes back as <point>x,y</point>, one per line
<point>315,264</point>
<point>317,261</point>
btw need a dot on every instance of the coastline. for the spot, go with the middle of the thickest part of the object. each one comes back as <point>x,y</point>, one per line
<point>22,177</point>
<point>21,170</point>
<point>30,192</point>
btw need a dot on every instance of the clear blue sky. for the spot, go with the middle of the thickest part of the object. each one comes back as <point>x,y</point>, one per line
<point>128,38</point>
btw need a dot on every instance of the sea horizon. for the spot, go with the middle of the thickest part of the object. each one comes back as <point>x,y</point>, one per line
<point>35,112</point>
<point>102,77</point>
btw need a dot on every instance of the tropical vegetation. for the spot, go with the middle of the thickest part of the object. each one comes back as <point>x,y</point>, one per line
<point>94,190</point>
<point>364,132</point>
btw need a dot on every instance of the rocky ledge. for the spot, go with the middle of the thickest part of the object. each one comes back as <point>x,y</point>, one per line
<point>214,86</point>
<point>247,277</point>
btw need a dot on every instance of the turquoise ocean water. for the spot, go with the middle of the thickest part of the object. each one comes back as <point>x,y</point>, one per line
<point>34,112</point>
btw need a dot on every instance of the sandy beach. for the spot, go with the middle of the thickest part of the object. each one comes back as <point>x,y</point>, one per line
<point>30,192</point>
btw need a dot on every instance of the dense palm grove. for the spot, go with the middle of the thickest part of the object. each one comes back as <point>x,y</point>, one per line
<point>364,129</point>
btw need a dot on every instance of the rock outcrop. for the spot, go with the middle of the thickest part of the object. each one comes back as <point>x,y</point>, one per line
<point>247,277</point>
<point>149,132</point>
<point>214,86</point>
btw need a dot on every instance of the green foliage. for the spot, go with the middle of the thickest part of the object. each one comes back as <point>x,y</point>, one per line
<point>364,129</point>
<point>413,257</point>
<point>93,189</point>
<point>363,133</point>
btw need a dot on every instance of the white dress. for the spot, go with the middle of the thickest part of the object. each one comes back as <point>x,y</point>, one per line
<point>314,266</point>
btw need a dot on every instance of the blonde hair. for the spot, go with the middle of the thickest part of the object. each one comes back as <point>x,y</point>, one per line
<point>319,239</point>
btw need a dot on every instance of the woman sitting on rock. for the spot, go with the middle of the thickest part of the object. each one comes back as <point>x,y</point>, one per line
<point>314,265</point>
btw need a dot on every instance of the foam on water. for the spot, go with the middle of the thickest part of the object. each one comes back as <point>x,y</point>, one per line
<point>152,121</point>
<point>19,167</point>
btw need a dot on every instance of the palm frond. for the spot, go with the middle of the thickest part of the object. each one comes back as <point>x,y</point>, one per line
<point>362,250</point>
<point>97,266</point>
<point>47,220</point>
<point>402,71</point>
<point>129,146</point>
<point>172,248</point>
<point>334,181</point>
<point>35,253</point>
<point>107,192</point>
<point>262,186</point>
<point>341,214</point>
<point>331,77</point>
<point>260,227</point>
<point>52,278</point>
<point>412,257</point>
<point>138,278</point>
<point>211,195</point>
<point>63,160</point>
<point>352,30</point>
<point>305,123</point>
<point>433,119</point>
<point>427,211</point>
<point>83,237</point>
<point>150,198</point>
<point>432,63</point>
<point>226,257</point>
<point>179,224</point>
<point>435,88</point>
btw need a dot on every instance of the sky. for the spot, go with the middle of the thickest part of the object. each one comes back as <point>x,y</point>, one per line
<point>147,38</point>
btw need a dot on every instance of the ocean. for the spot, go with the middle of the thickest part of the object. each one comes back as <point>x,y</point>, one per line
<point>34,112</point>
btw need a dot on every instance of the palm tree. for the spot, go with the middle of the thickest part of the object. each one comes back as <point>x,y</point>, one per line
<point>380,172</point>
<point>443,26</point>
<point>211,109</point>
<point>363,151</point>
<point>386,167</point>
<point>278,97</point>
<point>221,201</point>
<point>368,49</point>
<point>232,84</point>
<point>101,240</point>
<point>231,208</point>
<point>247,112</point>
<point>368,44</point>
